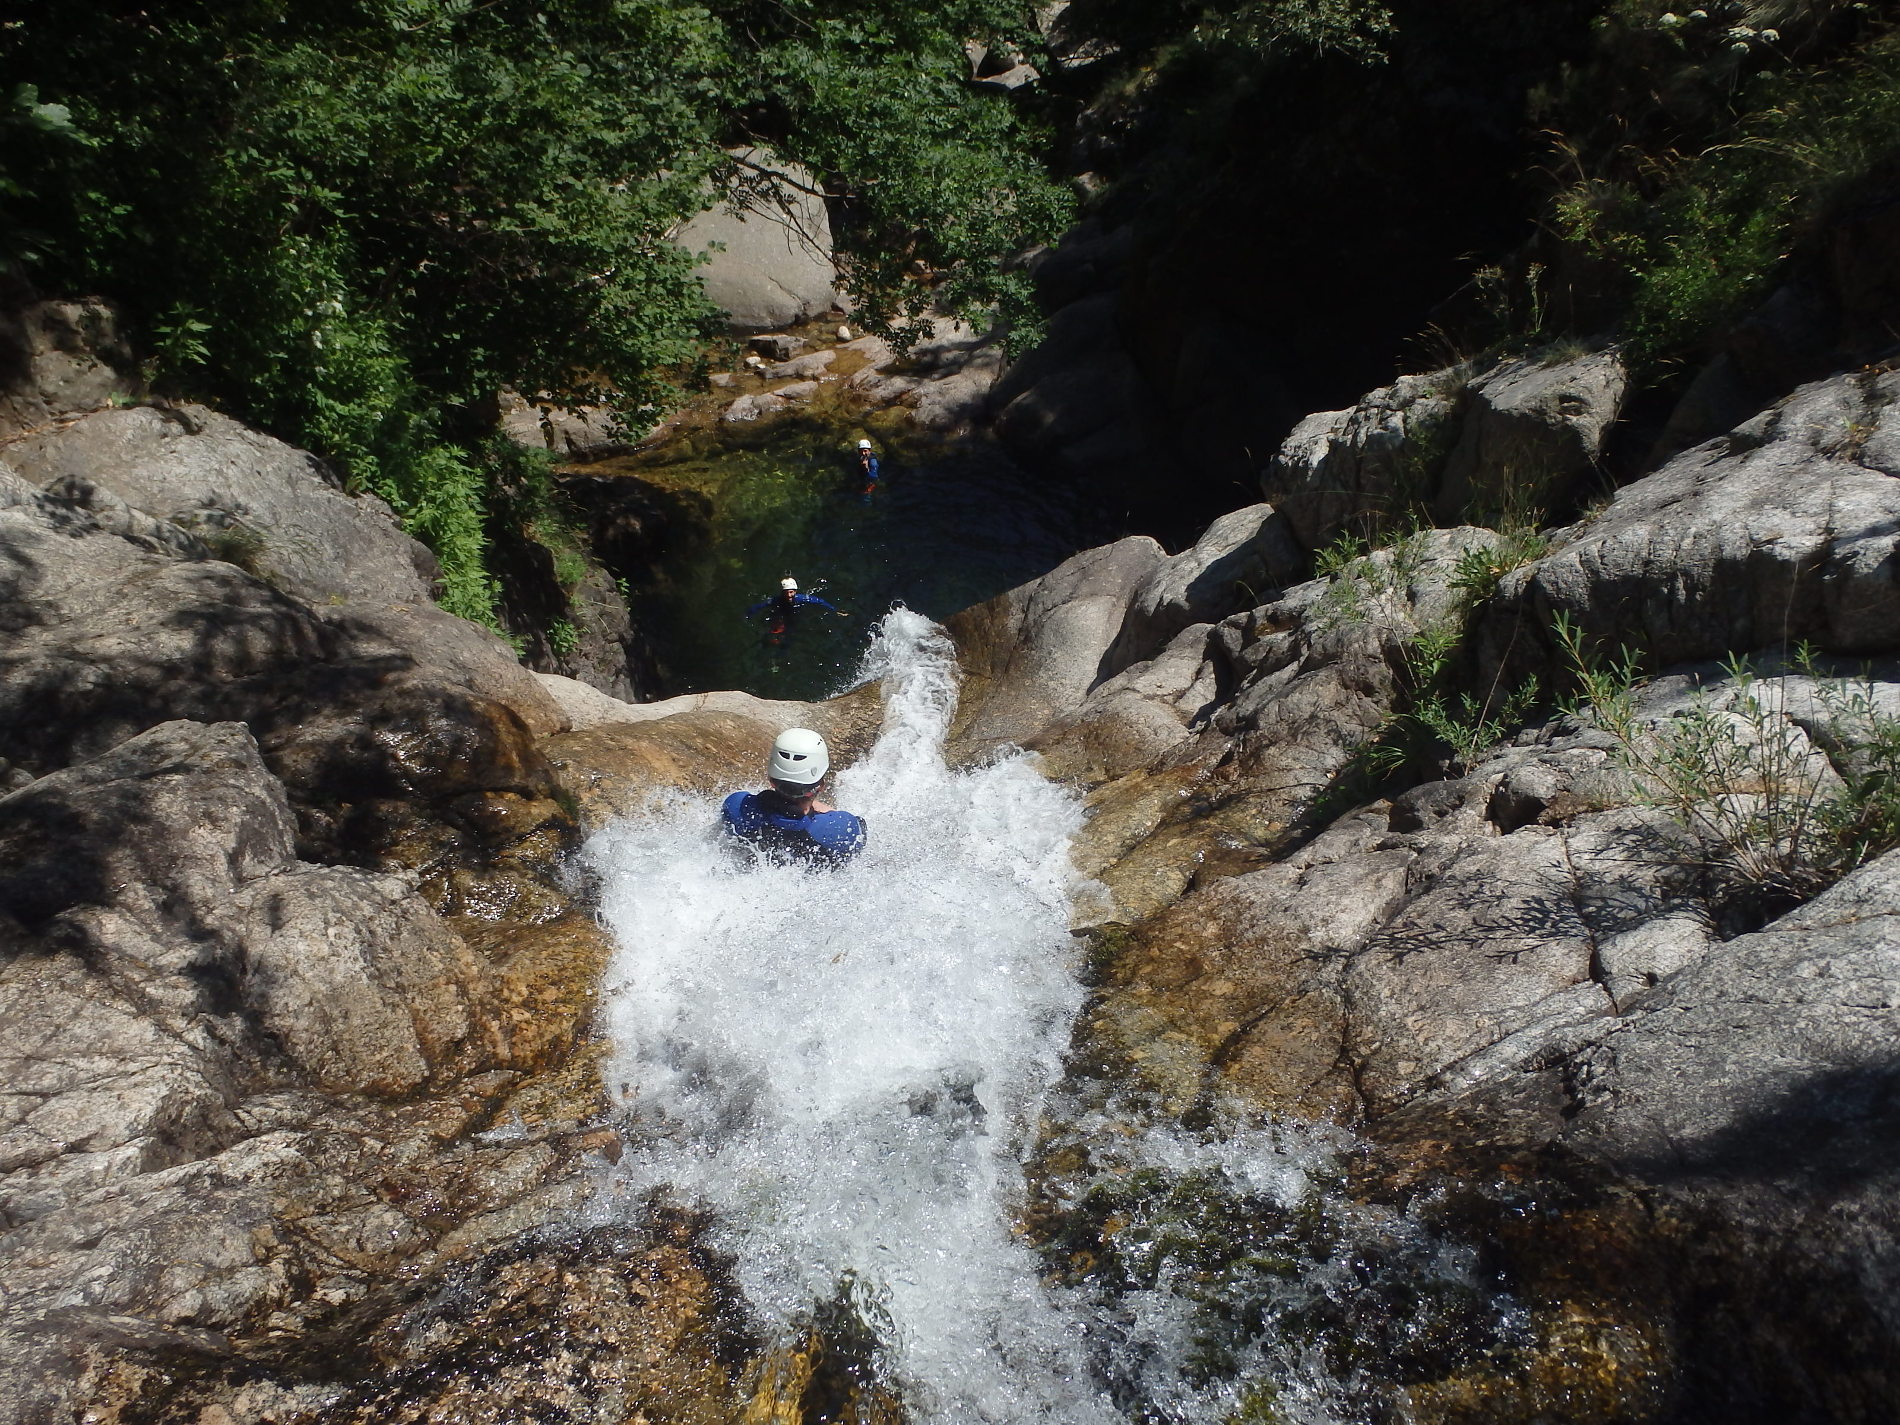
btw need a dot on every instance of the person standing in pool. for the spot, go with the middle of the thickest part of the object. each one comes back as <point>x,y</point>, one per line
<point>867,470</point>
<point>781,608</point>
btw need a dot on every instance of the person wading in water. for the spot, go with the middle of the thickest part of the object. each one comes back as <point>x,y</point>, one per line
<point>789,819</point>
<point>867,470</point>
<point>783,608</point>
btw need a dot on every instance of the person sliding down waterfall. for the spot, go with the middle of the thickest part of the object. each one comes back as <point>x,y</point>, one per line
<point>788,819</point>
<point>784,605</point>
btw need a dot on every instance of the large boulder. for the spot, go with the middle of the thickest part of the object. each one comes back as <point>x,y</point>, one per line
<point>236,487</point>
<point>767,246</point>
<point>1370,464</point>
<point>277,512</point>
<point>114,626</point>
<point>59,357</point>
<point>1532,428</point>
<point>163,875</point>
<point>1785,529</point>
<point>1242,560</point>
<point>1032,653</point>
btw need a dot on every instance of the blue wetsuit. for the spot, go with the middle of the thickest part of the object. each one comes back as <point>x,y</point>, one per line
<point>763,820</point>
<point>778,623</point>
<point>788,602</point>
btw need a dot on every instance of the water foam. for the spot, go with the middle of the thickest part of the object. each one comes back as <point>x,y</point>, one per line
<point>844,1065</point>
<point>848,1068</point>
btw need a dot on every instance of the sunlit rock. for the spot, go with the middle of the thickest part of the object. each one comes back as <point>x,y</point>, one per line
<point>767,244</point>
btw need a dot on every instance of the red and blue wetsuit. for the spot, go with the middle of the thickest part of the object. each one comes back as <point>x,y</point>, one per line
<point>783,605</point>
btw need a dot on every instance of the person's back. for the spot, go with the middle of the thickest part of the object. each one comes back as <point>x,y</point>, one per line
<point>779,825</point>
<point>787,819</point>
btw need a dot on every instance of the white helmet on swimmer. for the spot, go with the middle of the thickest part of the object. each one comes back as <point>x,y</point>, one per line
<point>788,584</point>
<point>864,445</point>
<point>800,758</point>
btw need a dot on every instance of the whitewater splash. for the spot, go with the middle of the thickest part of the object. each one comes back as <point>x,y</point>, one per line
<point>847,1068</point>
<point>844,1065</point>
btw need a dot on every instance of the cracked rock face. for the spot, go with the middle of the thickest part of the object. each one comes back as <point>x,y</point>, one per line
<point>169,963</point>
<point>1783,530</point>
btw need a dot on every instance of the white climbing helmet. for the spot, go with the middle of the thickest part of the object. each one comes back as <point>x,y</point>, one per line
<point>864,445</point>
<point>788,584</point>
<point>800,757</point>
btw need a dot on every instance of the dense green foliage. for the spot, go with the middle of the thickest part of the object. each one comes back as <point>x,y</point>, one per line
<point>1703,145</point>
<point>350,221</point>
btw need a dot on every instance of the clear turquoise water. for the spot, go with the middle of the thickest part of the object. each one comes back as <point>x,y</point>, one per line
<point>945,530</point>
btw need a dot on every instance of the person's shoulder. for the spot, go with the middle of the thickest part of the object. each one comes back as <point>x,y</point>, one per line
<point>836,830</point>
<point>737,809</point>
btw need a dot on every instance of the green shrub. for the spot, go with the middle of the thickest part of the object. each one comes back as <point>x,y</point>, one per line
<point>1721,150</point>
<point>352,221</point>
<point>1437,717</point>
<point>1787,794</point>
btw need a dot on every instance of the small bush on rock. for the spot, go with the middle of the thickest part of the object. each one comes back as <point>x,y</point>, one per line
<point>1791,782</point>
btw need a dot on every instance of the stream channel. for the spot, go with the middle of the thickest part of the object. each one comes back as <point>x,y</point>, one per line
<point>864,1078</point>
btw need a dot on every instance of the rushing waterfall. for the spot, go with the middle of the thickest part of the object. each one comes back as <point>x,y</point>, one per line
<point>843,1064</point>
<point>848,1068</point>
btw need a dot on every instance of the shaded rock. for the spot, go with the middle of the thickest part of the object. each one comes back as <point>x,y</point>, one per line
<point>57,358</point>
<point>1078,401</point>
<point>1531,428</point>
<point>441,646</point>
<point>945,381</point>
<point>420,776</point>
<point>767,246</point>
<point>778,346</point>
<point>1340,469</point>
<point>1771,1058</point>
<point>195,485</point>
<point>1088,259</point>
<point>191,1020</point>
<point>107,637</point>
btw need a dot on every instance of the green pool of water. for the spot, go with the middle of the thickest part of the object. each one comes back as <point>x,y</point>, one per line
<point>945,529</point>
